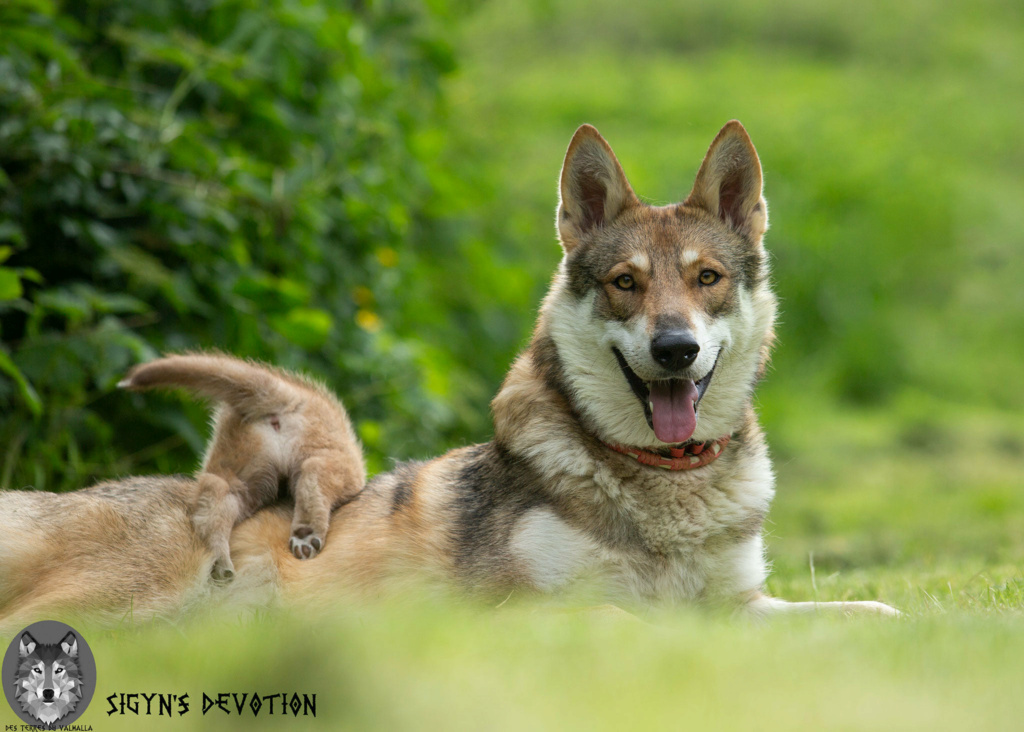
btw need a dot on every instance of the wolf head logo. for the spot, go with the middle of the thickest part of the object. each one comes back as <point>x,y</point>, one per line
<point>48,680</point>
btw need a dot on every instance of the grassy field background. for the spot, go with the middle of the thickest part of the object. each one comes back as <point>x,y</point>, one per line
<point>890,139</point>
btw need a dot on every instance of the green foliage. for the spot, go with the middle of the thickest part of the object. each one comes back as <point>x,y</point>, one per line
<point>237,175</point>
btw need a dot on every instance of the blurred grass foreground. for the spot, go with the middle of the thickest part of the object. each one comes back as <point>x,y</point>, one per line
<point>364,191</point>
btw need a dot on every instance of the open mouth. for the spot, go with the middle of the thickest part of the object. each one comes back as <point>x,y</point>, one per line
<point>670,405</point>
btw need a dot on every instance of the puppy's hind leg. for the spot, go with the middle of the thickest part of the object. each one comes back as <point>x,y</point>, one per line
<point>218,509</point>
<point>322,481</point>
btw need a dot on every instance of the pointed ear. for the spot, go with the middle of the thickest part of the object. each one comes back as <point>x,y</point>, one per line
<point>728,183</point>
<point>28,644</point>
<point>593,190</point>
<point>69,644</point>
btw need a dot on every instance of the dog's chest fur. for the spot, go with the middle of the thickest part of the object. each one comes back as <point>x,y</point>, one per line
<point>651,533</point>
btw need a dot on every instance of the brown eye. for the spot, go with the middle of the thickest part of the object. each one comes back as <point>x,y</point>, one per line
<point>624,282</point>
<point>709,277</point>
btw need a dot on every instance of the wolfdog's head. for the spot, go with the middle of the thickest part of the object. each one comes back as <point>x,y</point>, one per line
<point>48,681</point>
<point>662,316</point>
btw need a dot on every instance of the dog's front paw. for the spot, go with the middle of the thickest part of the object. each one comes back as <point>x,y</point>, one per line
<point>305,544</point>
<point>871,607</point>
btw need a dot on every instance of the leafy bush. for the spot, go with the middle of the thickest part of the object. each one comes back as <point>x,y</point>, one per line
<point>244,175</point>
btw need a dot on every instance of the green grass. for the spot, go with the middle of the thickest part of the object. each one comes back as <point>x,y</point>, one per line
<point>448,667</point>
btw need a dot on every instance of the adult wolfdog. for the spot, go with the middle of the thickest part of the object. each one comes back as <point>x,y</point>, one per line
<point>625,446</point>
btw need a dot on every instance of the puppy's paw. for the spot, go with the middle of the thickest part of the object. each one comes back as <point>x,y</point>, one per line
<point>305,544</point>
<point>223,571</point>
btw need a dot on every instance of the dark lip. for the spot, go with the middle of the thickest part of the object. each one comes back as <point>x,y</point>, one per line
<point>643,392</point>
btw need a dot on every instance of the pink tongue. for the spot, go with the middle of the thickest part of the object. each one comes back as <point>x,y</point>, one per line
<point>672,409</point>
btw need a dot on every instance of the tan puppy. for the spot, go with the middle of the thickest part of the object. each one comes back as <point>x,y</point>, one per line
<point>270,426</point>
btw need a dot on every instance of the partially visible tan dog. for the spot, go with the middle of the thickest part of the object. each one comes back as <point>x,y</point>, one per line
<point>270,426</point>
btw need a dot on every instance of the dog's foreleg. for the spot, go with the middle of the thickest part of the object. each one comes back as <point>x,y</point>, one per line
<point>764,606</point>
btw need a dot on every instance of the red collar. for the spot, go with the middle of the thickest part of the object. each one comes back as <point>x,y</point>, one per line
<point>687,457</point>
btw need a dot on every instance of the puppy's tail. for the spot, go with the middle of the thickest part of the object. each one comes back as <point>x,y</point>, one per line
<point>251,389</point>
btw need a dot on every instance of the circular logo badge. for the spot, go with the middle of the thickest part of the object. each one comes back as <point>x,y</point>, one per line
<point>49,674</point>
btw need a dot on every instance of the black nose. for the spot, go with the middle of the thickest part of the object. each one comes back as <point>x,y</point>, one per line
<point>674,349</point>
<point>47,694</point>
